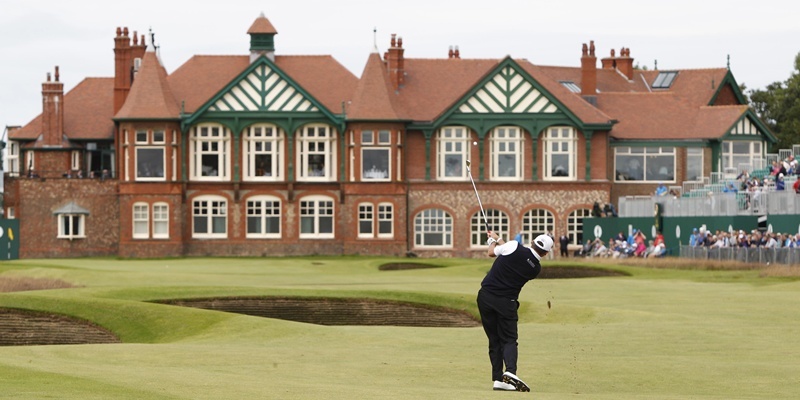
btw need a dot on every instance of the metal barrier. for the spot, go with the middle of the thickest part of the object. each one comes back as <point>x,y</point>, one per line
<point>713,204</point>
<point>753,255</point>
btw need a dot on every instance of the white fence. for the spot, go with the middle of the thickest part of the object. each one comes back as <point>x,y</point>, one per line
<point>759,255</point>
<point>713,204</point>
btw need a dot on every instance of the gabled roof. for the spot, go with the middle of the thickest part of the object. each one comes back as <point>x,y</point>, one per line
<point>88,109</point>
<point>372,99</point>
<point>202,77</point>
<point>666,116</point>
<point>150,96</point>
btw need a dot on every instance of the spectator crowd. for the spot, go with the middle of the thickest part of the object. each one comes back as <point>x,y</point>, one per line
<point>634,245</point>
<point>705,238</point>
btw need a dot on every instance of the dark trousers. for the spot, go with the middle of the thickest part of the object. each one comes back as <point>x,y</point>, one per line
<point>499,319</point>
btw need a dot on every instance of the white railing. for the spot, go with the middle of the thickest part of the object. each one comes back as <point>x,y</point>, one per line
<point>760,255</point>
<point>713,204</point>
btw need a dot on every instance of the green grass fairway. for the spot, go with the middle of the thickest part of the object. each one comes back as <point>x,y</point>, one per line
<point>657,334</point>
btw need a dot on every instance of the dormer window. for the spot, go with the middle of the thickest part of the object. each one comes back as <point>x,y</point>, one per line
<point>664,80</point>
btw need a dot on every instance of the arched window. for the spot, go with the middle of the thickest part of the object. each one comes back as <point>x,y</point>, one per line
<point>316,153</point>
<point>210,149</point>
<point>263,153</point>
<point>498,222</point>
<point>209,217</point>
<point>316,217</point>
<point>506,153</point>
<point>264,217</point>
<point>453,151</point>
<point>575,225</point>
<point>433,228</point>
<point>536,222</point>
<point>160,220</point>
<point>559,153</point>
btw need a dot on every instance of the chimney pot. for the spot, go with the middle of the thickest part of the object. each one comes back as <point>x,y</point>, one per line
<point>125,31</point>
<point>591,48</point>
<point>585,50</point>
<point>57,75</point>
<point>394,40</point>
<point>48,77</point>
<point>457,53</point>
<point>400,41</point>
<point>119,31</point>
<point>613,54</point>
<point>450,52</point>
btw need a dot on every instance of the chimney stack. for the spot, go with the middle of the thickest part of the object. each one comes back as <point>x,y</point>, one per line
<point>123,68</point>
<point>53,111</point>
<point>395,62</point>
<point>588,70</point>
<point>625,63</point>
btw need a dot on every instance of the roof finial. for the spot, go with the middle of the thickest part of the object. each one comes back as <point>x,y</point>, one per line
<point>729,62</point>
<point>375,39</point>
<point>656,67</point>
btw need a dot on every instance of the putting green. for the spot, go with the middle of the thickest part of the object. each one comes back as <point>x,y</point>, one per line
<point>657,334</point>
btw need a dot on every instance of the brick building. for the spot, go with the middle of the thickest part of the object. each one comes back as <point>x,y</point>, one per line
<point>268,154</point>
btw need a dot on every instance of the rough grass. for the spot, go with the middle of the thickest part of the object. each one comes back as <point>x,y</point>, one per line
<point>19,284</point>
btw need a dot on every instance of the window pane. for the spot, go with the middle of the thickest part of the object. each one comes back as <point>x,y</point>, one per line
<point>219,224</point>
<point>366,137</point>
<point>507,165</point>
<point>273,225</point>
<point>384,137</point>
<point>453,165</point>
<point>629,168</point>
<point>560,163</point>
<point>254,224</point>
<point>365,227</point>
<point>306,224</point>
<point>150,163</point>
<point>375,164</point>
<point>210,165</point>
<point>264,165</point>
<point>200,224</point>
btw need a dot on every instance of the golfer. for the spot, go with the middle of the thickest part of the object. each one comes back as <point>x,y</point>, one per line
<point>514,266</point>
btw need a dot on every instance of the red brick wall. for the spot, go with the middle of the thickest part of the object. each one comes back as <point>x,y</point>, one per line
<point>726,97</point>
<point>36,199</point>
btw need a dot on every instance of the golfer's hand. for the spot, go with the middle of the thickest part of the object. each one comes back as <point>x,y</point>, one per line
<point>493,235</point>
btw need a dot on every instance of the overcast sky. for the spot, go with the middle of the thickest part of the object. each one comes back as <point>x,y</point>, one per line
<point>762,37</point>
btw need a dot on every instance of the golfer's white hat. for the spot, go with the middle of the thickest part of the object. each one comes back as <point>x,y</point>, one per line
<point>544,242</point>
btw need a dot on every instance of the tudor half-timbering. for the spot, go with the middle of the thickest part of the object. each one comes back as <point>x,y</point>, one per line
<point>267,154</point>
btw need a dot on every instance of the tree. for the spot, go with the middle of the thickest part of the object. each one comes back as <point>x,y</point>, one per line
<point>778,105</point>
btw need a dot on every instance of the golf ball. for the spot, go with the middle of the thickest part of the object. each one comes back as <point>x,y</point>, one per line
<point>474,143</point>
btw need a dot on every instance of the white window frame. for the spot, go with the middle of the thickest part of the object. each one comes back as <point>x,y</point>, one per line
<point>646,154</point>
<point>690,156</point>
<point>76,160</point>
<point>212,207</point>
<point>453,152</point>
<point>498,222</point>
<point>755,152</point>
<point>433,222</point>
<point>313,209</point>
<point>141,220</point>
<point>217,137</point>
<point>377,142</point>
<point>13,158</point>
<point>256,139</point>
<point>72,218</point>
<point>535,222</point>
<point>313,141</point>
<point>575,224</point>
<point>263,207</point>
<point>565,139</point>
<point>366,220</point>
<point>385,220</point>
<point>506,141</point>
<point>160,219</point>
<point>30,161</point>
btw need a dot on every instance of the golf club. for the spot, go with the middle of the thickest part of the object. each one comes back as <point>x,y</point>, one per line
<point>485,221</point>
